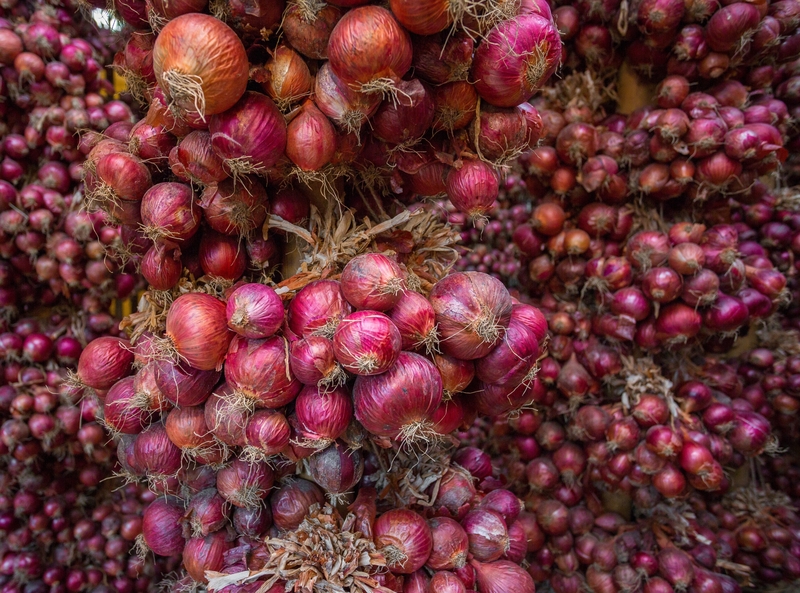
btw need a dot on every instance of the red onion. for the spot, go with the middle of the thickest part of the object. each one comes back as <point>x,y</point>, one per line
<point>400,402</point>
<point>206,513</point>
<point>404,538</point>
<point>317,309</point>
<point>254,311</point>
<point>244,484</point>
<point>290,503</point>
<point>120,410</point>
<point>205,554</point>
<point>161,527</point>
<point>184,385</point>
<point>678,323</point>
<point>450,544</point>
<point>516,58</point>
<point>372,281</point>
<point>369,62</point>
<point>235,207</point>
<point>258,371</point>
<point>311,139</point>
<point>502,576</point>
<point>198,159</point>
<point>313,362</point>
<point>158,456</point>
<point>197,330</point>
<point>366,343</point>
<point>473,188</point>
<point>513,359</point>
<point>168,211</point>
<point>237,135</point>
<point>104,361</point>
<point>415,319</point>
<point>473,311</point>
<point>337,468</point>
<point>323,416</point>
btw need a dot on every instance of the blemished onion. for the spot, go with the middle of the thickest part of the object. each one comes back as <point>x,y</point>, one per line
<point>235,207</point>
<point>369,49</point>
<point>313,362</point>
<point>250,137</point>
<point>415,318</point>
<point>473,188</point>
<point>502,576</point>
<point>317,309</point>
<point>473,311</point>
<point>197,328</point>
<point>450,544</point>
<point>245,484</point>
<point>373,281</point>
<point>258,371</point>
<point>104,361</point>
<point>515,59</point>
<point>323,416</point>
<point>290,503</point>
<point>337,468</point>
<point>405,540</point>
<point>168,212</point>
<point>399,403</point>
<point>161,527</point>
<point>200,64</point>
<point>201,554</point>
<point>310,138</point>
<point>367,343</point>
<point>120,412</point>
<point>254,311</point>
<point>487,534</point>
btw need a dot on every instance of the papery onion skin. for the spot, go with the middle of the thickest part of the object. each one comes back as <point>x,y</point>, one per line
<point>450,544</point>
<point>515,59</point>
<point>201,46</point>
<point>290,503</point>
<point>407,537</point>
<point>197,327</point>
<point>367,343</point>
<point>473,311</point>
<point>403,398</point>
<point>311,138</point>
<point>473,188</point>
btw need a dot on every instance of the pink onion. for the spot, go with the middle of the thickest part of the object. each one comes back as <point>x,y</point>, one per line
<point>254,311</point>
<point>373,281</point>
